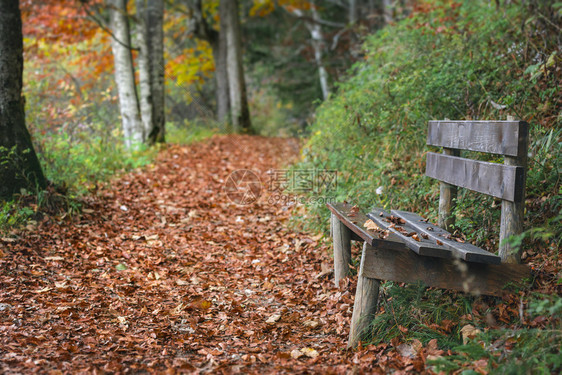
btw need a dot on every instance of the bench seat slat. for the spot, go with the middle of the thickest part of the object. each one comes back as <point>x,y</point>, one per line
<point>496,137</point>
<point>424,247</point>
<point>497,180</point>
<point>409,267</point>
<point>464,251</point>
<point>356,223</point>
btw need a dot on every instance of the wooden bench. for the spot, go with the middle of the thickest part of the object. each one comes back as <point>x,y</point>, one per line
<point>403,247</point>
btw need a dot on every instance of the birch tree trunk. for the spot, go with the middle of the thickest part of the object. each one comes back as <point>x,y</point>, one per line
<point>143,61</point>
<point>20,168</point>
<point>239,111</point>
<point>317,40</point>
<point>124,73</point>
<point>353,13</point>
<point>157,69</point>
<point>318,45</point>
<point>387,11</point>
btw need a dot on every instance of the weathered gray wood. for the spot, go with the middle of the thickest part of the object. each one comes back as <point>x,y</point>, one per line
<point>456,274</point>
<point>365,305</point>
<point>496,137</point>
<point>447,197</point>
<point>342,249</point>
<point>497,180</point>
<point>355,222</point>
<point>464,251</point>
<point>423,247</point>
<point>513,213</point>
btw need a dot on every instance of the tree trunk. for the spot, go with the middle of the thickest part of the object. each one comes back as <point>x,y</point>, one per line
<point>317,45</point>
<point>221,78</point>
<point>144,66</point>
<point>156,53</point>
<point>387,11</point>
<point>19,166</point>
<point>124,73</point>
<point>353,13</point>
<point>230,24</point>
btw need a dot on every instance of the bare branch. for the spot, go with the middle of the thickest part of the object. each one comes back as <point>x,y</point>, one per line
<point>104,27</point>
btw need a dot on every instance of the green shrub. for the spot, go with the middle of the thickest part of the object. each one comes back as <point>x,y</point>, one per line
<point>188,132</point>
<point>457,60</point>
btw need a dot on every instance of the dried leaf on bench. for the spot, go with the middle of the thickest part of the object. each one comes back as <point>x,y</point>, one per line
<point>416,237</point>
<point>396,220</point>
<point>353,211</point>
<point>370,224</point>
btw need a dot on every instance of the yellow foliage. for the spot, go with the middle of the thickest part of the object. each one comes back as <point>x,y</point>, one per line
<point>263,8</point>
<point>192,67</point>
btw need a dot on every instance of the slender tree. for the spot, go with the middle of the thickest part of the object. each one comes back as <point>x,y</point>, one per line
<point>144,68</point>
<point>19,166</point>
<point>314,26</point>
<point>387,11</point>
<point>150,40</point>
<point>155,29</point>
<point>230,25</point>
<point>124,73</point>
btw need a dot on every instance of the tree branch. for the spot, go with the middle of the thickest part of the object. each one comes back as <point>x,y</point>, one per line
<point>101,24</point>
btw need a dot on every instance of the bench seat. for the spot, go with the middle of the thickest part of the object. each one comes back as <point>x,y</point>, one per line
<point>434,257</point>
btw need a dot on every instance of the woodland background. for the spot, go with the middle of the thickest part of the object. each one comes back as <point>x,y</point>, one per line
<point>356,81</point>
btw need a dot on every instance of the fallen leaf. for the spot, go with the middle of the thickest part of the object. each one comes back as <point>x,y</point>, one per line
<point>273,319</point>
<point>54,258</point>
<point>417,345</point>
<point>121,267</point>
<point>370,224</point>
<point>46,289</point>
<point>309,352</point>
<point>311,323</point>
<point>406,350</point>
<point>296,354</point>
<point>469,332</point>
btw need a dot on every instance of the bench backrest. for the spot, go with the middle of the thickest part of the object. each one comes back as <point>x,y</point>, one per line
<point>505,181</point>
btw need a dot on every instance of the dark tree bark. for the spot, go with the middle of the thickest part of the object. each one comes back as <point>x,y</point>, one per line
<point>20,168</point>
<point>155,29</point>
<point>221,78</point>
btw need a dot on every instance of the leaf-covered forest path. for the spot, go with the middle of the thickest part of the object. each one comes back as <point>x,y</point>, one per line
<point>163,272</point>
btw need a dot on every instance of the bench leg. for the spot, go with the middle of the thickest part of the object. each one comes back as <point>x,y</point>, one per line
<point>342,249</point>
<point>365,306</point>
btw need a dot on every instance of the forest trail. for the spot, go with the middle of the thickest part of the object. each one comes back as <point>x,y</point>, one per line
<point>163,272</point>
